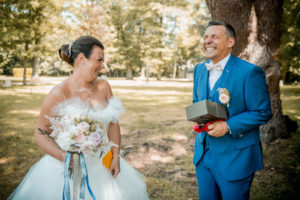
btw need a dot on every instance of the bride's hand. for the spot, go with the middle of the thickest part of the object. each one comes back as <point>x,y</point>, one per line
<point>115,166</point>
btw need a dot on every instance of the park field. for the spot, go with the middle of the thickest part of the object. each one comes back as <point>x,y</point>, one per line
<point>156,138</point>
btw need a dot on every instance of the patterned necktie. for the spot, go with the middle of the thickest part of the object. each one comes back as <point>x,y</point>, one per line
<point>213,66</point>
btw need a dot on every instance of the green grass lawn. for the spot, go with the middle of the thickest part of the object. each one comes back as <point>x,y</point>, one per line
<point>156,137</point>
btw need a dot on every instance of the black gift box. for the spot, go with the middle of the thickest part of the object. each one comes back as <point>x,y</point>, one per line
<point>205,111</point>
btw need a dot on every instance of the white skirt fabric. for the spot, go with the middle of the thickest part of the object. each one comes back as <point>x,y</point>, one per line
<point>45,181</point>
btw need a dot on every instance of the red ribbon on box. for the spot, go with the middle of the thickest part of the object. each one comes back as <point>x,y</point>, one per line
<point>205,127</point>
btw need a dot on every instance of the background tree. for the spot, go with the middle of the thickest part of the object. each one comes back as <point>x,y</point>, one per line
<point>191,24</point>
<point>258,37</point>
<point>171,34</point>
<point>124,21</point>
<point>289,56</point>
<point>23,26</point>
<point>155,36</point>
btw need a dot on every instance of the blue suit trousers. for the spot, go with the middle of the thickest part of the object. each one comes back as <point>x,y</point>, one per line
<point>212,186</point>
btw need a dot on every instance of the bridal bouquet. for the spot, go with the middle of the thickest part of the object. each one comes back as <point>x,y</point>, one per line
<point>79,131</point>
<point>80,135</point>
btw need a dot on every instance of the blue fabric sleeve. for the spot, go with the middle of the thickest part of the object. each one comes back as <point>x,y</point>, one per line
<point>258,107</point>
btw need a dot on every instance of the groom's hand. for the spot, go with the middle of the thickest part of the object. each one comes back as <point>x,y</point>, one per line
<point>217,129</point>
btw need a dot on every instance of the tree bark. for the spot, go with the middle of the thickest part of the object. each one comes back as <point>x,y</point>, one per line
<point>36,63</point>
<point>143,72</point>
<point>25,71</point>
<point>25,66</point>
<point>175,70</point>
<point>257,23</point>
<point>147,72</point>
<point>159,73</point>
<point>35,67</point>
<point>129,73</point>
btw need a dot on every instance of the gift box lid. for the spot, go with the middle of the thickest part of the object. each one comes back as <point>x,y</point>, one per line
<point>205,111</point>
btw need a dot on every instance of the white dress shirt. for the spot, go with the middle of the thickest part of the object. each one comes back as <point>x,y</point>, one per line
<point>215,74</point>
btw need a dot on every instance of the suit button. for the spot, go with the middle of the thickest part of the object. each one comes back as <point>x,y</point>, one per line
<point>207,143</point>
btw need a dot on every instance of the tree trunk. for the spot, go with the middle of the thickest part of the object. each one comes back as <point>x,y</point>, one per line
<point>36,63</point>
<point>35,67</point>
<point>147,73</point>
<point>129,73</point>
<point>159,73</point>
<point>24,71</point>
<point>257,23</point>
<point>175,70</point>
<point>143,72</point>
<point>25,66</point>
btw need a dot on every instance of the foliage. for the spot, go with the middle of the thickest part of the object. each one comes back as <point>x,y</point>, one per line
<point>24,24</point>
<point>290,41</point>
<point>156,34</point>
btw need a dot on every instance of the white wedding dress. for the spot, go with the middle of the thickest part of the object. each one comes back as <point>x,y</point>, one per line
<point>45,179</point>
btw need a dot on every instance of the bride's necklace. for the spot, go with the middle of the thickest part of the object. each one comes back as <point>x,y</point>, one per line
<point>88,90</point>
<point>84,90</point>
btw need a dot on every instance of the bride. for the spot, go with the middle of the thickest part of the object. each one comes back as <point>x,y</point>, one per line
<point>46,179</point>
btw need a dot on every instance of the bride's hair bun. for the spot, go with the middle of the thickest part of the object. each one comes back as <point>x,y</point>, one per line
<point>64,53</point>
<point>84,44</point>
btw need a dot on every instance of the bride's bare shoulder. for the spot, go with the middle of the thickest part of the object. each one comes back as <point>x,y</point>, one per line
<point>57,95</point>
<point>101,82</point>
<point>103,87</point>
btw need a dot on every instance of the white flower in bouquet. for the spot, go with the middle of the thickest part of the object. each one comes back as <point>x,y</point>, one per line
<point>88,145</point>
<point>80,138</point>
<point>65,141</point>
<point>83,127</point>
<point>95,138</point>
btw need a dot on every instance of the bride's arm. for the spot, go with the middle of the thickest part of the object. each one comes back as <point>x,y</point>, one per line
<point>114,135</point>
<point>113,132</point>
<point>45,142</point>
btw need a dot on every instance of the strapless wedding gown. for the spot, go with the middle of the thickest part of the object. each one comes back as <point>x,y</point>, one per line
<point>45,179</point>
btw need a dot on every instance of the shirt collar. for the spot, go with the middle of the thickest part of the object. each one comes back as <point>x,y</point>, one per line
<point>223,62</point>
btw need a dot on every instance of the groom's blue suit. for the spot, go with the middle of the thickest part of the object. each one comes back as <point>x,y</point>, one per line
<point>237,154</point>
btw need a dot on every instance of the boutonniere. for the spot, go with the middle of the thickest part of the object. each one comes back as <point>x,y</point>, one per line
<point>224,96</point>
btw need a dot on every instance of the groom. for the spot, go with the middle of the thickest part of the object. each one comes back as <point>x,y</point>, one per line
<point>227,156</point>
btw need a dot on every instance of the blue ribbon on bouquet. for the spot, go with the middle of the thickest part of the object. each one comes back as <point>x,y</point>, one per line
<point>84,178</point>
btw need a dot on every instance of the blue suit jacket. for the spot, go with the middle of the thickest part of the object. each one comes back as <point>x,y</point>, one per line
<point>238,155</point>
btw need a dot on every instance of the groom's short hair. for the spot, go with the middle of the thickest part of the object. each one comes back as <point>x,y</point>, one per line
<point>229,29</point>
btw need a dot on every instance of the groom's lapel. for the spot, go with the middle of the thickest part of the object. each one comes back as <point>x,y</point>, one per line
<point>226,73</point>
<point>204,83</point>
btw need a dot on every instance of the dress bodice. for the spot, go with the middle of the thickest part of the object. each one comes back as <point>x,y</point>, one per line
<point>75,106</point>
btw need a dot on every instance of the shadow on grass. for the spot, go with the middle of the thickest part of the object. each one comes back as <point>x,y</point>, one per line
<point>18,150</point>
<point>280,179</point>
<point>154,130</point>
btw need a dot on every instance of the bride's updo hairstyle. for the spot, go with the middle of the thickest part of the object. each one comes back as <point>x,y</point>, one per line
<point>84,44</point>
